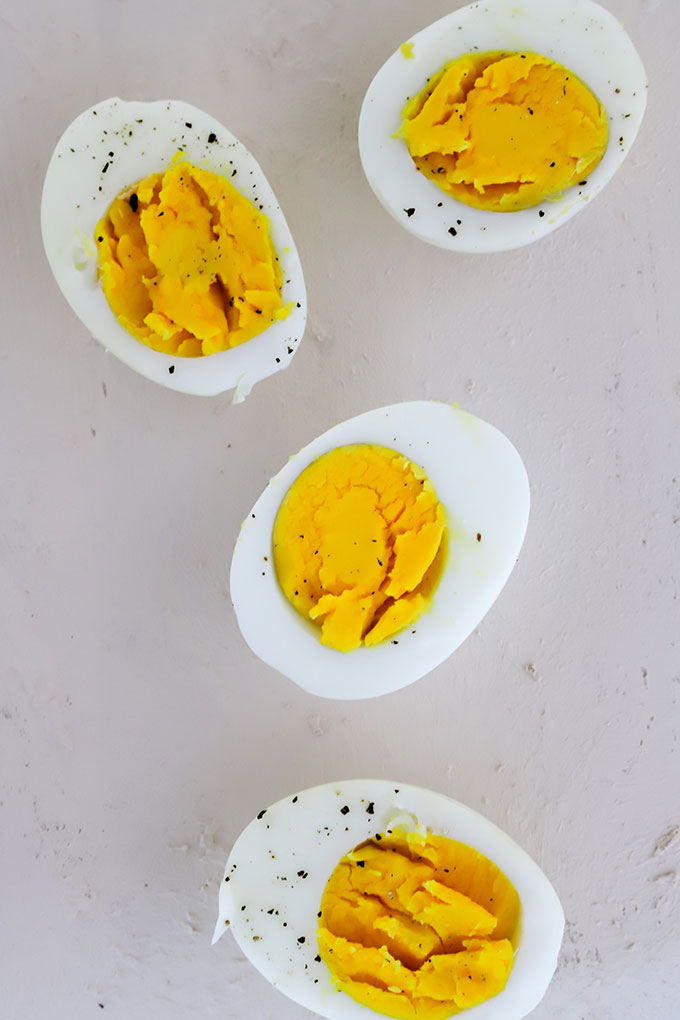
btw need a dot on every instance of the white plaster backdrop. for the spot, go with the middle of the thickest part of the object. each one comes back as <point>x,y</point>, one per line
<point>137,732</point>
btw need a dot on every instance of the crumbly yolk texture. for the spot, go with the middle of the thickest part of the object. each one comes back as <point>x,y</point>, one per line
<point>505,131</point>
<point>187,264</point>
<point>418,926</point>
<point>358,544</point>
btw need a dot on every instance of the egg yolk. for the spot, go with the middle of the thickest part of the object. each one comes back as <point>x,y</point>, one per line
<point>358,544</point>
<point>187,264</point>
<point>505,131</point>
<point>418,925</point>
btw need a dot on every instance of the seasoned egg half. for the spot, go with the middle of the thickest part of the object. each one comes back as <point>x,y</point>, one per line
<point>277,871</point>
<point>105,152</point>
<point>580,35</point>
<point>482,486</point>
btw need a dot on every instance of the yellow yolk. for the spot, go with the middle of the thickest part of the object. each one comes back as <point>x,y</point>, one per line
<point>505,131</point>
<point>187,264</point>
<point>359,543</point>
<point>418,926</point>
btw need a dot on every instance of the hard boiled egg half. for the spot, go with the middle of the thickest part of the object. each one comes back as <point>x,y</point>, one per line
<point>482,486</point>
<point>277,871</point>
<point>104,152</point>
<point>579,35</point>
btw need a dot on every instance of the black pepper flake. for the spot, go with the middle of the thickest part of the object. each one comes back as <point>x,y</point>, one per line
<point>187,124</point>
<point>317,959</point>
<point>530,110</point>
<point>295,799</point>
<point>171,369</point>
<point>541,213</point>
<point>409,212</point>
<point>479,536</point>
<point>234,172</point>
<point>439,205</point>
<point>227,878</point>
<point>134,202</point>
<point>344,810</point>
<point>582,184</point>
<point>370,808</point>
<point>290,350</point>
<point>378,837</point>
<point>105,168</point>
<point>100,239</point>
<point>552,164</point>
<point>212,137</point>
<point>243,907</point>
<point>301,939</point>
<point>360,864</point>
<point>452,231</point>
<point>262,814</point>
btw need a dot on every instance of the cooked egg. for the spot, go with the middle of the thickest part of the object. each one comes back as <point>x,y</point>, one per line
<point>482,487</point>
<point>278,900</point>
<point>108,157</point>
<point>575,39</point>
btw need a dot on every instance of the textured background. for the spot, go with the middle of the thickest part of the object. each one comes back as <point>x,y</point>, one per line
<point>137,732</point>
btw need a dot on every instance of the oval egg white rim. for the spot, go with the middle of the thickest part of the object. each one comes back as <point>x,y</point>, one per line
<point>68,220</point>
<point>489,502</point>
<point>498,24</point>
<point>312,825</point>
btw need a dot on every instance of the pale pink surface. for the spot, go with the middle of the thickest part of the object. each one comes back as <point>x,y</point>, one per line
<point>137,733</point>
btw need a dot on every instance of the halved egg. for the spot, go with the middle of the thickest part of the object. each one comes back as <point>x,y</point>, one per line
<point>279,867</point>
<point>104,153</point>
<point>482,487</point>
<point>579,35</point>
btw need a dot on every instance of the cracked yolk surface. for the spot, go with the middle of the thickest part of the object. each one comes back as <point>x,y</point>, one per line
<point>417,925</point>
<point>505,131</point>
<point>358,544</point>
<point>187,264</point>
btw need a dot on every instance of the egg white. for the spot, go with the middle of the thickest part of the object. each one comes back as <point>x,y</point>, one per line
<point>107,149</point>
<point>279,866</point>
<point>482,484</point>
<point>579,34</point>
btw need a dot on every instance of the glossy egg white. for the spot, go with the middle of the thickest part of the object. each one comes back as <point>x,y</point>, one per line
<point>109,148</point>
<point>579,34</point>
<point>279,866</point>
<point>482,484</point>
